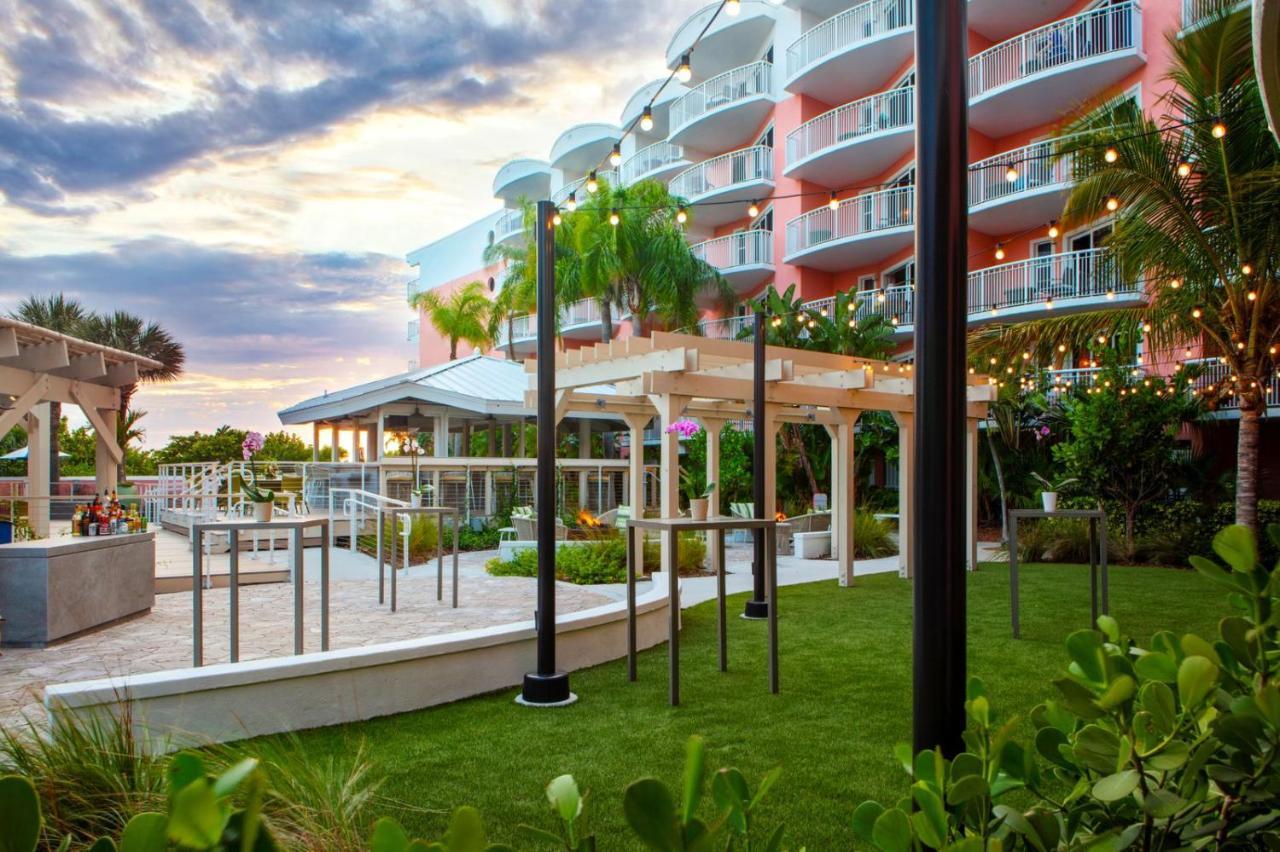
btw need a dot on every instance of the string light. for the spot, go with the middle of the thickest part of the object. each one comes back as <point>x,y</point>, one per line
<point>593,182</point>
<point>1219,129</point>
<point>1146,328</point>
<point>1062,347</point>
<point>1011,173</point>
<point>823,310</point>
<point>615,156</point>
<point>1111,155</point>
<point>834,201</point>
<point>753,210</point>
<point>572,204</point>
<point>646,119</point>
<point>1053,230</point>
<point>1048,303</point>
<point>994,312</point>
<point>684,72</point>
<point>555,219</point>
<point>1175,284</point>
<point>1252,296</point>
<point>894,320</point>
<point>777,321</point>
<point>1111,293</point>
<point>1113,204</point>
<point>682,215</point>
<point>1246,270</point>
<point>1184,170</point>
<point>852,323</point>
<point>1196,313</point>
<point>732,7</point>
<point>880,295</point>
<point>999,251</point>
<point>1026,356</point>
<point>614,217</point>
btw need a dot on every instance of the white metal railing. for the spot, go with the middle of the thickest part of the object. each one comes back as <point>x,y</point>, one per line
<point>1214,373</point>
<point>859,216</point>
<point>1090,273</point>
<point>1097,32</point>
<point>724,90</point>
<point>607,177</point>
<point>725,328</point>
<point>888,302</point>
<point>1036,165</point>
<point>748,165</point>
<point>890,110</point>
<point>1196,12</point>
<point>1082,377</point>
<point>745,248</point>
<point>864,22</point>
<point>510,223</point>
<point>359,506</point>
<point>584,312</point>
<point>415,327</point>
<point>648,160</point>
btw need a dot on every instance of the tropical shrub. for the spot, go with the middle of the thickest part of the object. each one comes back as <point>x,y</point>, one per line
<point>1169,746</point>
<point>872,538</point>
<point>603,560</point>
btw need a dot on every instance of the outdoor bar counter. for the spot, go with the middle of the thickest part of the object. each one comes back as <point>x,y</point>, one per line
<point>53,589</point>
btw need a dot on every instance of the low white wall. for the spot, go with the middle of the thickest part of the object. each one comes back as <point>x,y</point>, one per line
<point>232,701</point>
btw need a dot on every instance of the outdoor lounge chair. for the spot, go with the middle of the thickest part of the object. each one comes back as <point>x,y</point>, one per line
<point>527,528</point>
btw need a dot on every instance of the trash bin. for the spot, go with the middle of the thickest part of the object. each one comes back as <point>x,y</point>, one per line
<point>6,532</point>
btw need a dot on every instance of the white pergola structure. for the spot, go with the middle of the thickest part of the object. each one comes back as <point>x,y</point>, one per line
<point>37,367</point>
<point>670,376</point>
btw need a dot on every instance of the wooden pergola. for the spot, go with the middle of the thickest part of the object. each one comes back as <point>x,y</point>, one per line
<point>670,376</point>
<point>37,367</point>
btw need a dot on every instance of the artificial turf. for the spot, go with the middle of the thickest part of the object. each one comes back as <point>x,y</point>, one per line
<point>845,700</point>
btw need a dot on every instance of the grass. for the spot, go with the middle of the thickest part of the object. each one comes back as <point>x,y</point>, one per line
<point>845,700</point>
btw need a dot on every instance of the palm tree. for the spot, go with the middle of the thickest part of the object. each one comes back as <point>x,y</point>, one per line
<point>122,330</point>
<point>66,316</point>
<point>1198,224</point>
<point>127,429</point>
<point>462,315</point>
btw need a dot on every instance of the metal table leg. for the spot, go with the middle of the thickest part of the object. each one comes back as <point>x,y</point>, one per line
<point>1106,582</point>
<point>631,602</point>
<point>456,536</point>
<point>1013,573</point>
<point>297,591</point>
<point>771,561</point>
<point>395,533</point>
<point>233,592</point>
<point>439,556</point>
<point>197,604</point>
<point>1093,572</point>
<point>721,626</point>
<point>673,606</point>
<point>382,582</point>
<point>324,594</point>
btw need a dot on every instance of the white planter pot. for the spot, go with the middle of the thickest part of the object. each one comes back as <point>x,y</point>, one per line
<point>698,509</point>
<point>263,512</point>
<point>1050,500</point>
<point>415,500</point>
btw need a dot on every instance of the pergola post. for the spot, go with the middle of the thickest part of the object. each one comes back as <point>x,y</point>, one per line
<point>106,454</point>
<point>584,452</point>
<point>523,438</point>
<point>315,442</point>
<point>355,440</point>
<point>670,407</point>
<point>373,441</point>
<point>506,440</point>
<point>38,437</point>
<point>713,428</point>
<point>906,503</point>
<point>843,486</point>
<point>440,441</point>
<point>635,462</point>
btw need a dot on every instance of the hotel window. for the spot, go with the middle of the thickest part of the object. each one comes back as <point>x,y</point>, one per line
<point>901,275</point>
<point>866,283</point>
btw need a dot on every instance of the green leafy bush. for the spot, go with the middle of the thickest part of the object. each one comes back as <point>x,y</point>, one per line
<point>602,560</point>
<point>1168,746</point>
<point>872,538</point>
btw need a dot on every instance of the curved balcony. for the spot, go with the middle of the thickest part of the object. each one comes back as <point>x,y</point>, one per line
<point>859,44</point>
<point>579,321</point>
<point>732,40</point>
<point>998,205</point>
<point>1040,76</point>
<point>510,226</point>
<point>739,176</point>
<point>1059,284</point>
<point>1213,373</point>
<point>855,141</point>
<point>657,162</point>
<point>1000,19</point>
<point>518,179</point>
<point>726,111</point>
<point>632,112</point>
<point>745,259</point>
<point>895,304</point>
<point>861,230</point>
<point>608,176</point>
<point>580,149</point>
<point>725,328</point>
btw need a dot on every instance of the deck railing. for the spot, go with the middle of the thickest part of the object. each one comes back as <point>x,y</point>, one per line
<point>725,328</point>
<point>1100,31</point>
<point>510,223</point>
<point>1214,372</point>
<point>861,23</point>
<point>731,87</point>
<point>745,248</point>
<point>858,216</point>
<point>648,160</point>
<point>1037,166</point>
<point>890,110</point>
<point>1070,275</point>
<point>747,165</point>
<point>1196,12</point>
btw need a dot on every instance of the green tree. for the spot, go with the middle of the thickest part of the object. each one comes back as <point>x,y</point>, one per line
<point>462,315</point>
<point>66,316</point>
<point>1198,226</point>
<point>221,445</point>
<point>284,446</point>
<point>1121,436</point>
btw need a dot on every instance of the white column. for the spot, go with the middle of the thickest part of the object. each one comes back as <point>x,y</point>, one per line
<point>584,452</point>
<point>906,503</point>
<point>355,441</point>
<point>843,496</point>
<point>523,439</point>
<point>635,463</point>
<point>670,407</point>
<point>380,437</point>
<point>38,438</point>
<point>440,443</point>
<point>104,464</point>
<point>713,428</point>
<point>315,441</point>
<point>770,426</point>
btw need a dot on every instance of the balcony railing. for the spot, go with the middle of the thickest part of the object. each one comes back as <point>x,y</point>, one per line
<point>865,22</point>
<point>1059,277</point>
<point>726,328</point>
<point>1196,12</point>
<point>1036,165</point>
<point>414,328</point>
<point>1215,373</point>
<point>1104,30</point>
<point>855,217</point>
<point>736,86</point>
<point>748,165</point>
<point>648,160</point>
<point>509,224</point>
<point>890,110</point>
<point>584,312</point>
<point>745,248</point>
<point>609,176</point>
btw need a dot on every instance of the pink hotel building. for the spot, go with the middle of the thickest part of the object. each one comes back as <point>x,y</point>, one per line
<point>816,97</point>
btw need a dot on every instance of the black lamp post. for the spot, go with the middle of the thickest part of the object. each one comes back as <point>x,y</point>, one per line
<point>938,485</point>
<point>546,686</point>
<point>757,606</point>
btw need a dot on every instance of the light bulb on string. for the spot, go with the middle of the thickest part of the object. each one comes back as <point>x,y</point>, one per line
<point>732,7</point>
<point>1175,284</point>
<point>555,219</point>
<point>1111,155</point>
<point>572,203</point>
<point>994,310</point>
<point>615,156</point>
<point>1011,173</point>
<point>853,323</point>
<point>1184,170</point>
<point>1219,128</point>
<point>1053,230</point>
<point>684,71</point>
<point>1048,303</point>
<point>1246,269</point>
<point>1113,204</point>
<point>614,217</point>
<point>593,183</point>
<point>833,202</point>
<point>823,310</point>
<point>646,119</point>
<point>1252,296</point>
<point>682,215</point>
<point>1062,347</point>
<point>894,321</point>
<point>1146,328</point>
<point>1196,313</point>
<point>753,210</point>
<point>999,251</point>
<point>880,295</point>
<point>1111,293</point>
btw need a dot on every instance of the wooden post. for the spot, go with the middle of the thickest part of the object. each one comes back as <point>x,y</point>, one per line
<point>843,497</point>
<point>440,442</point>
<point>635,464</point>
<point>713,428</point>
<point>506,440</point>
<point>771,426</point>
<point>38,436</point>
<point>906,505</point>
<point>670,407</point>
<point>584,452</point>
<point>466,439</point>
<point>490,440</point>
<point>106,468</point>
<point>315,441</point>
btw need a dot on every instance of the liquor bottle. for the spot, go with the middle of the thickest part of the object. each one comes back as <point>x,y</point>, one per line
<point>75,521</point>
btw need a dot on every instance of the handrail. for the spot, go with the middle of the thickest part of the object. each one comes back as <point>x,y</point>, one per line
<point>1214,372</point>
<point>1068,275</point>
<point>865,22</point>
<point>1097,32</point>
<point>648,160</point>
<point>510,223</point>
<point>744,248</point>
<point>1037,166</point>
<point>891,110</point>
<point>745,165</point>
<point>864,214</point>
<point>735,86</point>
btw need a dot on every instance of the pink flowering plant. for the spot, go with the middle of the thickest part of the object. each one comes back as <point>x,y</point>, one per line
<point>684,428</point>
<point>251,446</point>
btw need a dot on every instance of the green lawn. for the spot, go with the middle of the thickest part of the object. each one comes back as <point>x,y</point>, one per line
<point>845,700</point>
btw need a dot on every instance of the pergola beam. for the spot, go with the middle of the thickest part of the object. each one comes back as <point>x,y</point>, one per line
<point>40,357</point>
<point>106,431</point>
<point>86,367</point>
<point>27,400</point>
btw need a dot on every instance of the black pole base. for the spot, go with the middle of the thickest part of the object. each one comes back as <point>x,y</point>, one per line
<point>756,610</point>
<point>546,690</point>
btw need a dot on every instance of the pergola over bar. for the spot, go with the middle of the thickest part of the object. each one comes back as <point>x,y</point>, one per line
<point>37,367</point>
<point>671,376</point>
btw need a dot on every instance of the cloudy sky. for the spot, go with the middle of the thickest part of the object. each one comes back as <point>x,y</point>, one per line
<point>251,173</point>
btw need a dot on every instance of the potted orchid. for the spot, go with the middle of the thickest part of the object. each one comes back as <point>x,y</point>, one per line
<point>696,493</point>
<point>1049,496</point>
<point>410,445</point>
<point>262,499</point>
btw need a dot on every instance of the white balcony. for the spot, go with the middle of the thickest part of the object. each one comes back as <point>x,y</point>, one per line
<point>510,227</point>
<point>725,112</point>
<point>1045,74</point>
<point>579,187</point>
<point>1000,19</point>
<point>1196,12</point>
<point>823,8</point>
<point>659,162</point>
<point>895,304</point>
<point>855,141</point>
<point>582,148</point>
<point>530,179</point>
<point>415,327</point>
<point>998,205</point>
<point>725,328</point>
<point>862,230</point>
<point>744,259</point>
<point>852,52</point>
<point>723,186</point>
<point>578,321</point>
<point>666,92</point>
<point>1213,372</point>
<point>731,41</point>
<point>1058,284</point>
